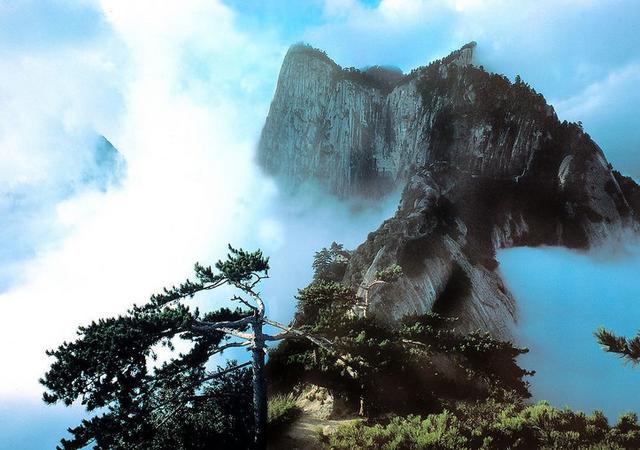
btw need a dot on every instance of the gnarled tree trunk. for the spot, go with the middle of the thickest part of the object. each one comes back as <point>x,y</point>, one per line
<point>259,389</point>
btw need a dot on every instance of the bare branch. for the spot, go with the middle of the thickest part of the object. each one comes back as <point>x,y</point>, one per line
<point>256,297</point>
<point>258,279</point>
<point>236,333</point>
<point>203,326</point>
<point>230,345</point>
<point>415,343</point>
<point>372,284</point>
<point>281,335</point>
<point>237,298</point>
<point>318,340</point>
<point>224,372</point>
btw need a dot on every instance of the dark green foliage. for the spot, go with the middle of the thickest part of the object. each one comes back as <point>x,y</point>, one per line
<point>493,424</point>
<point>411,368</point>
<point>282,411</point>
<point>377,78</point>
<point>329,264</point>
<point>323,305</point>
<point>220,417</point>
<point>389,274</point>
<point>430,83</point>
<point>239,267</point>
<point>112,369</point>
<point>629,349</point>
<point>388,75</point>
<point>217,415</point>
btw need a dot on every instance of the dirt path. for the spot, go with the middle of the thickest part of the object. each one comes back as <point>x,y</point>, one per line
<point>316,407</point>
<point>303,433</point>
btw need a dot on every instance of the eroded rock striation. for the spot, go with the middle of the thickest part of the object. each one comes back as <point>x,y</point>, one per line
<point>485,164</point>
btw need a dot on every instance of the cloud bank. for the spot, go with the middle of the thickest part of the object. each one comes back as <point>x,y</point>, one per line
<point>182,89</point>
<point>187,136</point>
<point>563,296</point>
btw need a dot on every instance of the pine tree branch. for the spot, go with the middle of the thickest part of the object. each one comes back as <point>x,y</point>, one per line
<point>224,372</point>
<point>256,297</point>
<point>628,349</point>
<point>237,298</point>
<point>229,345</point>
<point>207,327</point>
<point>323,343</point>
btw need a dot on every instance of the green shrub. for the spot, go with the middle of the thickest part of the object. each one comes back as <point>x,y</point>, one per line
<point>492,425</point>
<point>412,432</point>
<point>389,274</point>
<point>281,411</point>
<point>409,369</point>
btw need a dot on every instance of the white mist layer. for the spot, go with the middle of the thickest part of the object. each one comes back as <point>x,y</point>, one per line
<point>290,232</point>
<point>299,227</point>
<point>563,296</point>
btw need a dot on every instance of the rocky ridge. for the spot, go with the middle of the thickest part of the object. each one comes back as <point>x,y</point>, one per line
<point>485,162</point>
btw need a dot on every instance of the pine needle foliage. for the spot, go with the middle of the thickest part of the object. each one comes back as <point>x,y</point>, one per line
<point>113,368</point>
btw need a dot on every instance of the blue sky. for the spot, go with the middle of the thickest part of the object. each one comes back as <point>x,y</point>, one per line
<point>563,297</point>
<point>182,88</point>
<point>29,25</point>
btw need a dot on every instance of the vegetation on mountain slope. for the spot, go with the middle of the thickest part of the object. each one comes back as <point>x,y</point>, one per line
<point>490,425</point>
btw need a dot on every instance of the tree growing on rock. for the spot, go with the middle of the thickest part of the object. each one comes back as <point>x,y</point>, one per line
<point>329,264</point>
<point>414,367</point>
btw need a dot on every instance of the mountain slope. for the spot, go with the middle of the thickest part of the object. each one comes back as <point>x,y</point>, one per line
<point>486,164</point>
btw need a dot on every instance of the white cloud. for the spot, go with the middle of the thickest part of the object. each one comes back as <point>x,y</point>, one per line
<point>606,93</point>
<point>50,106</point>
<point>402,13</point>
<point>188,135</point>
<point>609,108</point>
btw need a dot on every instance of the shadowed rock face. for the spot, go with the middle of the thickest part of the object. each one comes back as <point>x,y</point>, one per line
<point>486,164</point>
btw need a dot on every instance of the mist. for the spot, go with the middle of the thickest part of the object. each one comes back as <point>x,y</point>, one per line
<point>562,297</point>
<point>182,89</point>
<point>290,230</point>
<point>298,226</point>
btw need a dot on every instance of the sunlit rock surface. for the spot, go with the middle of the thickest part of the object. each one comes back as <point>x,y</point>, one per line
<point>486,164</point>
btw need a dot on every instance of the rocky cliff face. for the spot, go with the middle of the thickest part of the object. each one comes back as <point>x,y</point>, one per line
<point>486,164</point>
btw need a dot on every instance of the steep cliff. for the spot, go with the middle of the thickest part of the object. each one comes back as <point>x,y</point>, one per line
<point>486,164</point>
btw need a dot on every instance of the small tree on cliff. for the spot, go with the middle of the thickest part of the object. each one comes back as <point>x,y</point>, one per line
<point>330,264</point>
<point>109,368</point>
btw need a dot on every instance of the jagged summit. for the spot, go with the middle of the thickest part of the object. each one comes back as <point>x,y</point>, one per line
<point>485,164</point>
<point>462,57</point>
<point>302,53</point>
<point>349,119</point>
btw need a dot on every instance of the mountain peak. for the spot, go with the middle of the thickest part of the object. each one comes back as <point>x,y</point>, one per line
<point>302,50</point>
<point>462,57</point>
<point>485,165</point>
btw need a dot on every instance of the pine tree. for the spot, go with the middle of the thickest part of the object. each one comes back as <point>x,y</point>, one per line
<point>109,369</point>
<point>330,264</point>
